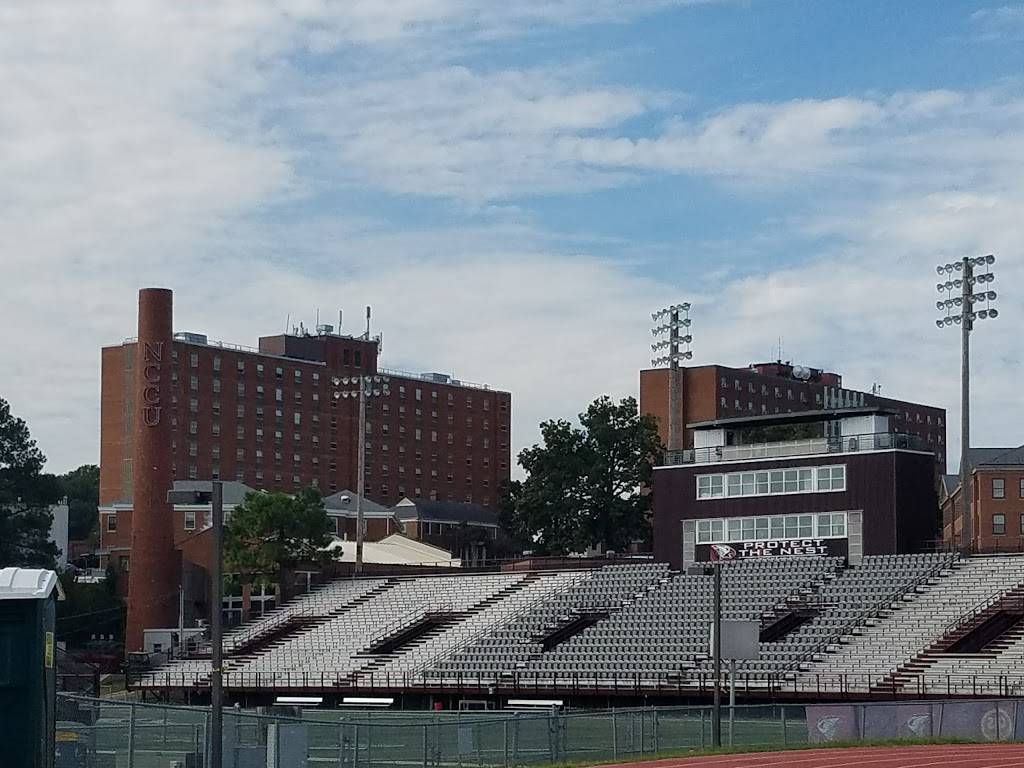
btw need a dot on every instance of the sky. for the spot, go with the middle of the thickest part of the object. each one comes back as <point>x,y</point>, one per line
<point>514,187</point>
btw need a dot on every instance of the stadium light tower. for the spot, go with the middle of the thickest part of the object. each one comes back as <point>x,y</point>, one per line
<point>674,347</point>
<point>974,302</point>
<point>362,387</point>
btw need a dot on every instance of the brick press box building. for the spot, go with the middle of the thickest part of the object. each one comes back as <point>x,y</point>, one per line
<point>710,392</point>
<point>856,487</point>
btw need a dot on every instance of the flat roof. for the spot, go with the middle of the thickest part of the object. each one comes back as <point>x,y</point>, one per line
<point>799,417</point>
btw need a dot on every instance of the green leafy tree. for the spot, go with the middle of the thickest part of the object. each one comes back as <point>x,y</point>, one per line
<point>585,486</point>
<point>82,488</point>
<point>270,532</point>
<point>25,496</point>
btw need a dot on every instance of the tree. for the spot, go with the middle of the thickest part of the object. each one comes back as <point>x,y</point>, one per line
<point>585,486</point>
<point>269,532</point>
<point>82,488</point>
<point>25,497</point>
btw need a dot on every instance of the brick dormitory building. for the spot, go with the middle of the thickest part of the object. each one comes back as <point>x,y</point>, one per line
<point>268,417</point>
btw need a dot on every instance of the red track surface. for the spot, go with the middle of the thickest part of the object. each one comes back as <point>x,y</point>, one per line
<point>950,756</point>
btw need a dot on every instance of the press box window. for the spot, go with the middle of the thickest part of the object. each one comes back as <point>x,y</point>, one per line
<point>190,519</point>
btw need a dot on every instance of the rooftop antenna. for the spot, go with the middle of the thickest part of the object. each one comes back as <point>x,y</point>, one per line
<point>367,322</point>
<point>339,322</point>
<point>317,326</point>
<point>287,323</point>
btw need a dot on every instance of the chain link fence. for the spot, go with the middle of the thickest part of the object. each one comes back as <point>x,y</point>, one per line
<point>99,733</point>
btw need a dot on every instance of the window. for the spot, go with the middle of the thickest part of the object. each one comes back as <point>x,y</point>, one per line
<point>998,488</point>
<point>709,486</point>
<point>190,519</point>
<point>193,383</point>
<point>1022,488</point>
<point>112,523</point>
<point>832,478</point>
<point>193,360</point>
<point>998,525</point>
<point>358,357</point>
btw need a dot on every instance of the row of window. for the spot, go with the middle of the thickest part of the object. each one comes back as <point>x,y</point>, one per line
<point>999,523</point>
<point>769,482</point>
<point>999,488</point>
<point>736,530</point>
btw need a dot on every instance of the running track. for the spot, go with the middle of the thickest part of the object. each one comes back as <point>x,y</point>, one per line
<point>948,756</point>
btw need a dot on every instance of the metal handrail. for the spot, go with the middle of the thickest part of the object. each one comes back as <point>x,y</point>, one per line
<point>454,647</point>
<point>980,607</point>
<point>868,613</point>
<point>813,446</point>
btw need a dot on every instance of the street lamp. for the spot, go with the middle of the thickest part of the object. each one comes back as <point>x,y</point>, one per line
<point>361,387</point>
<point>672,347</point>
<point>974,302</point>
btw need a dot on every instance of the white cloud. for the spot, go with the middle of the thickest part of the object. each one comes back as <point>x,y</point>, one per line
<point>1002,24</point>
<point>150,143</point>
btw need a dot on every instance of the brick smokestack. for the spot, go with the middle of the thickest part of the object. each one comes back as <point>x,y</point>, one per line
<point>154,566</point>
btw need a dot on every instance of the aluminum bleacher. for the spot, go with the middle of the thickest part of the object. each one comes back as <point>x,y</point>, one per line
<point>860,627</point>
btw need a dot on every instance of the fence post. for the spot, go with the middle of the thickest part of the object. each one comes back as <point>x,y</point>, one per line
<point>702,727</point>
<point>615,737</point>
<point>355,745</point>
<point>656,723</point>
<point>642,731</point>
<point>424,746</point>
<point>341,744</point>
<point>131,736</point>
<point>785,736</point>
<point>515,738</point>
<point>504,739</point>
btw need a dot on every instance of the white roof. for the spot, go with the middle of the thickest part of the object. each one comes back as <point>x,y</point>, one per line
<point>28,584</point>
<point>393,550</point>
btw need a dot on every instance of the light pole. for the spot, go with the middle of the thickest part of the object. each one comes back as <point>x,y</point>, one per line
<point>215,498</point>
<point>362,387</point>
<point>972,303</point>
<point>676,348</point>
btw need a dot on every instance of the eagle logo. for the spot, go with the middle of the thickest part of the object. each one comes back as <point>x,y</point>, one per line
<point>722,552</point>
<point>919,725</point>
<point>827,727</point>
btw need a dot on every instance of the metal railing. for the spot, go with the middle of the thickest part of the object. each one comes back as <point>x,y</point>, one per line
<point>814,446</point>
<point>872,611</point>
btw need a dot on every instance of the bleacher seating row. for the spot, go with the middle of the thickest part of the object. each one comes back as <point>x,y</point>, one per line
<point>863,622</point>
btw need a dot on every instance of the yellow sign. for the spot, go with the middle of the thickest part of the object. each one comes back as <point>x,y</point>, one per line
<point>48,650</point>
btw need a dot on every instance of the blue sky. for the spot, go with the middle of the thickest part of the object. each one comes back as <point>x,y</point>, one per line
<point>513,187</point>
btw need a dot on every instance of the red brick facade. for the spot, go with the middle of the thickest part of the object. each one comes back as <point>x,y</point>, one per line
<point>716,392</point>
<point>153,582</point>
<point>269,419</point>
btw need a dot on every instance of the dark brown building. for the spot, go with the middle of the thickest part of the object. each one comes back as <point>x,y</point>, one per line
<point>269,418</point>
<point>867,490</point>
<point>711,392</point>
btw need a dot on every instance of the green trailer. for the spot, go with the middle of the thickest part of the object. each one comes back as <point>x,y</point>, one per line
<point>27,666</point>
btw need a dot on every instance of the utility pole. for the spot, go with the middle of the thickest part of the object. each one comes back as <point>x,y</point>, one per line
<point>365,387</point>
<point>216,640</point>
<point>716,712</point>
<point>215,498</point>
<point>362,469</point>
<point>969,303</point>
